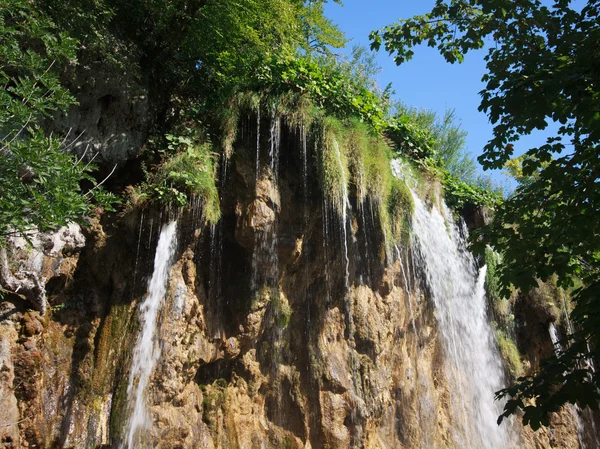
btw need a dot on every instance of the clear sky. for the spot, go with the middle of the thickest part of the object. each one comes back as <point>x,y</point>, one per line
<point>427,81</point>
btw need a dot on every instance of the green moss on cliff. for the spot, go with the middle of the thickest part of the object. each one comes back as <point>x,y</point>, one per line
<point>333,163</point>
<point>510,353</point>
<point>400,207</point>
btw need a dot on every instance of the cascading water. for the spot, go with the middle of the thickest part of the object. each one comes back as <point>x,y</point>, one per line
<point>473,368</point>
<point>147,350</point>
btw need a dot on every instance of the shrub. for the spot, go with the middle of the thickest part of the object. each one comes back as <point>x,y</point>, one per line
<point>187,170</point>
<point>412,140</point>
<point>459,193</point>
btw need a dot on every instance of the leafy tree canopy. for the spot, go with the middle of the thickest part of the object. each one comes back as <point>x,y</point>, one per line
<point>200,50</point>
<point>39,181</point>
<point>542,67</point>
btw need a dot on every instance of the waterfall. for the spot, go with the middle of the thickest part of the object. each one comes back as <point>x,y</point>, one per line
<point>472,363</point>
<point>147,350</point>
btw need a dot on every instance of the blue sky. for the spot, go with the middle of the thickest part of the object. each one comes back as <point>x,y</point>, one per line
<point>427,81</point>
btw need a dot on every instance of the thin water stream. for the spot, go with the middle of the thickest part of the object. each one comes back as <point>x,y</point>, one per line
<point>147,349</point>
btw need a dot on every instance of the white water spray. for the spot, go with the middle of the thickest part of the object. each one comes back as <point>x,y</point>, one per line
<point>473,368</point>
<point>147,350</point>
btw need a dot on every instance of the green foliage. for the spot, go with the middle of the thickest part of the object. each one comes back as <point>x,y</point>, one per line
<point>514,168</point>
<point>40,186</point>
<point>449,140</point>
<point>39,181</point>
<point>32,52</point>
<point>327,84</point>
<point>541,68</point>
<point>413,141</point>
<point>320,33</point>
<point>200,50</point>
<point>458,193</point>
<point>440,145</point>
<point>187,170</point>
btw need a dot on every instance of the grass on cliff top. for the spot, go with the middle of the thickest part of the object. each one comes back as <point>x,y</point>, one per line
<point>351,156</point>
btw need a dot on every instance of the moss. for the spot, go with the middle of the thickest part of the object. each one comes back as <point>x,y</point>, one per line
<point>214,397</point>
<point>492,282</point>
<point>261,298</point>
<point>288,443</point>
<point>400,208</point>
<point>119,412</point>
<point>282,310</point>
<point>349,153</point>
<point>333,167</point>
<point>358,143</point>
<point>112,330</point>
<point>280,306</point>
<point>546,299</point>
<point>264,350</point>
<point>297,110</point>
<point>510,354</point>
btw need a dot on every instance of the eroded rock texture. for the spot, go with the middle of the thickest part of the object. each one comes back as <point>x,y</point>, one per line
<point>295,347</point>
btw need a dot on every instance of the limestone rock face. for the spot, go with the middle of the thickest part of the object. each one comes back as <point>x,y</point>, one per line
<point>319,343</point>
<point>43,255</point>
<point>114,110</point>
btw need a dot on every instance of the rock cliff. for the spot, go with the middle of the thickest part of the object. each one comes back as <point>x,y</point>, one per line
<point>284,326</point>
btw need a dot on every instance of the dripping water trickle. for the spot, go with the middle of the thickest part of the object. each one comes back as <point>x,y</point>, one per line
<point>345,205</point>
<point>216,234</point>
<point>409,295</point>
<point>137,252</point>
<point>305,220</point>
<point>257,168</point>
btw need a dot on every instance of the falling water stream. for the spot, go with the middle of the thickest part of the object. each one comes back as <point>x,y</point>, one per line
<point>472,368</point>
<point>147,349</point>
